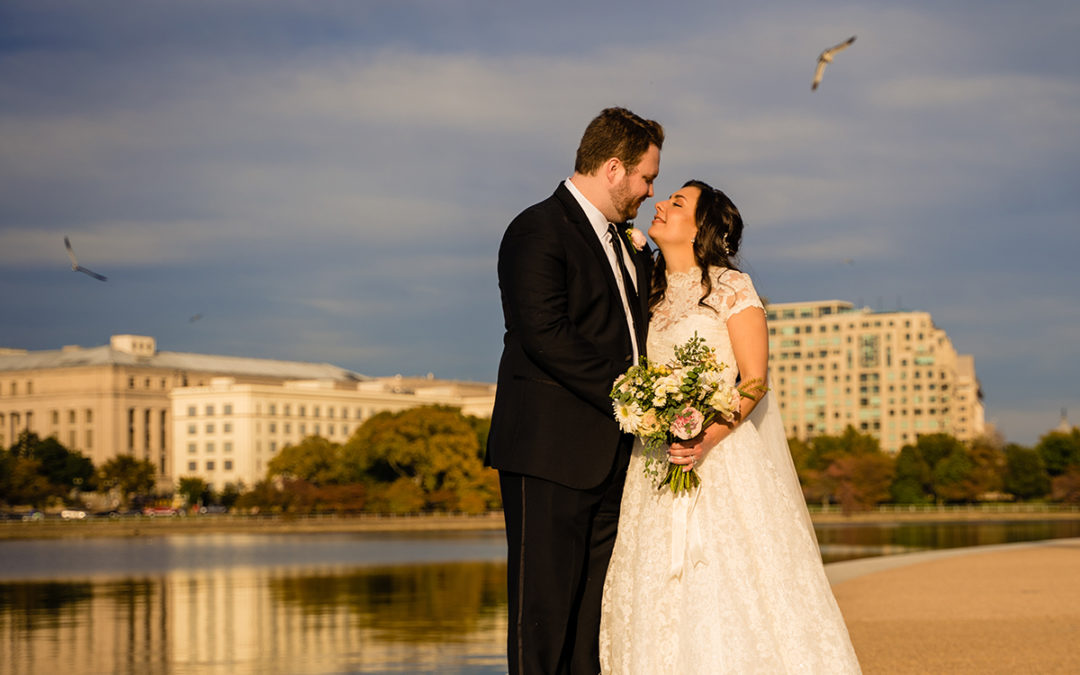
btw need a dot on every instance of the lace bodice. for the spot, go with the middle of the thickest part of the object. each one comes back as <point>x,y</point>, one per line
<point>679,315</point>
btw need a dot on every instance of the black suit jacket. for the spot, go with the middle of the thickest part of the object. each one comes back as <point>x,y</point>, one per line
<point>566,342</point>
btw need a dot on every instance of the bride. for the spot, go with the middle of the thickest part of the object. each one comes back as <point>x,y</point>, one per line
<point>727,578</point>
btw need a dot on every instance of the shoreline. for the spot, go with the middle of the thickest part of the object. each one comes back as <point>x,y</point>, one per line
<point>226,524</point>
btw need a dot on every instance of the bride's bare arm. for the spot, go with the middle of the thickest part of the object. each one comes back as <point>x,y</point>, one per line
<point>750,342</point>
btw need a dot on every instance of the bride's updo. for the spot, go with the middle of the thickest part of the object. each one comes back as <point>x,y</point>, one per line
<point>716,243</point>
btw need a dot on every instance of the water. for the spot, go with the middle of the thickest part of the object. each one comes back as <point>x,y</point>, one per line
<point>317,603</point>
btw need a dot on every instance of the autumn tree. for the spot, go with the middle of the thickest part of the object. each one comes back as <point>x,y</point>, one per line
<point>861,482</point>
<point>425,457</point>
<point>315,460</point>
<point>127,475</point>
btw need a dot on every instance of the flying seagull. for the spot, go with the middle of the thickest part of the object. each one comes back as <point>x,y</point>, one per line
<point>76,267</point>
<point>826,58</point>
<point>194,318</point>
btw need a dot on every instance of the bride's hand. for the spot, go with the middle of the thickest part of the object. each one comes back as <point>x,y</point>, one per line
<point>689,453</point>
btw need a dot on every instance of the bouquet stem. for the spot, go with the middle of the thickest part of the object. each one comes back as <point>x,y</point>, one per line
<point>679,481</point>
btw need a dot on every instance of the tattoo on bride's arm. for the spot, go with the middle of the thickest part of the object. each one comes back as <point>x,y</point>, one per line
<point>753,389</point>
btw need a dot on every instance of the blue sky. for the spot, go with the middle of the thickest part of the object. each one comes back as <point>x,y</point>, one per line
<point>328,181</point>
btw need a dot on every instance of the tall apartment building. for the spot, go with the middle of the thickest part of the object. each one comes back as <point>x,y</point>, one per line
<point>227,432</point>
<point>894,375</point>
<point>118,399</point>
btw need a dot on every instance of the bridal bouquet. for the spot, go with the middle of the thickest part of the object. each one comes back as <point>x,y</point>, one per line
<point>661,403</point>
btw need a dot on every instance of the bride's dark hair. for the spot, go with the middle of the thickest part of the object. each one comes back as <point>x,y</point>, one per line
<point>716,243</point>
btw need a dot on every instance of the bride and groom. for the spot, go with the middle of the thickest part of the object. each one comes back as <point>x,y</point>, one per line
<point>604,572</point>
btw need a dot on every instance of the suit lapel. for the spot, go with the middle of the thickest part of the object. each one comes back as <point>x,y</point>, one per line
<point>585,229</point>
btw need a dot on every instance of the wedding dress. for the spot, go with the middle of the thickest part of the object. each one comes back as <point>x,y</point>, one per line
<point>727,579</point>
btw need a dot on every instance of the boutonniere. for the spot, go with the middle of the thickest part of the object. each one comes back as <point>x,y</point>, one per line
<point>636,238</point>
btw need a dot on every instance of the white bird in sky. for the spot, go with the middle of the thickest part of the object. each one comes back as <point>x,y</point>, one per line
<point>76,267</point>
<point>826,58</point>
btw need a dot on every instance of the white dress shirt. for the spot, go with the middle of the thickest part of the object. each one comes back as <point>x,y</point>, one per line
<point>600,225</point>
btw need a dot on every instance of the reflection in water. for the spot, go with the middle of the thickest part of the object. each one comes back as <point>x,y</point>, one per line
<point>241,605</point>
<point>848,541</point>
<point>441,617</point>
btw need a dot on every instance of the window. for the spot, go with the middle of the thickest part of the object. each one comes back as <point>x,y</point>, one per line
<point>89,415</point>
<point>191,448</point>
<point>273,409</point>
<point>273,427</point>
<point>192,411</point>
<point>273,446</point>
<point>55,417</point>
<point>330,429</point>
<point>228,446</point>
<point>315,412</point>
<point>192,466</point>
<point>131,384</point>
<point>288,427</point>
<point>209,465</point>
<point>191,429</point>
<point>209,410</point>
<point>89,438</point>
<point>71,417</point>
<point>227,427</point>
<point>209,448</point>
<point>227,409</point>
<point>209,427</point>
<point>228,465</point>
<point>302,411</point>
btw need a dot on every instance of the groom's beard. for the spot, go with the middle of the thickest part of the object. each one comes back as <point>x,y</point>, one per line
<point>625,203</point>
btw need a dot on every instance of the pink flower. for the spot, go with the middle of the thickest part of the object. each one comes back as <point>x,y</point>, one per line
<point>687,423</point>
<point>636,238</point>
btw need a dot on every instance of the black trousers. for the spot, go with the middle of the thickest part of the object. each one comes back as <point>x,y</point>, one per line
<point>559,543</point>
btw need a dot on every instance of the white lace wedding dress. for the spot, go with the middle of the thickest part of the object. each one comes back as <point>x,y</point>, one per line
<point>729,579</point>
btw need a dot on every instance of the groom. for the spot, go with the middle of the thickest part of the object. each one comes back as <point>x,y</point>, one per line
<point>575,304</point>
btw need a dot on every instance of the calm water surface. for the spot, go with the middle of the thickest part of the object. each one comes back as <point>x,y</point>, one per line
<point>319,604</point>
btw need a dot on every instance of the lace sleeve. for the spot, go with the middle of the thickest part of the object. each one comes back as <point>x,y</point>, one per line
<point>733,291</point>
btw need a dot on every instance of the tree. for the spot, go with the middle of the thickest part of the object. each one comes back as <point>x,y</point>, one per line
<point>988,462</point>
<point>21,481</point>
<point>912,480</point>
<point>194,489</point>
<point>61,468</point>
<point>1066,487</point>
<point>127,475</point>
<point>861,482</point>
<point>953,480</point>
<point>935,447</point>
<point>1059,451</point>
<point>814,459</point>
<point>315,460</point>
<point>1025,473</point>
<point>433,447</point>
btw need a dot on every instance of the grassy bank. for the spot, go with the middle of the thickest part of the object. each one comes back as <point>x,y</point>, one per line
<point>224,524</point>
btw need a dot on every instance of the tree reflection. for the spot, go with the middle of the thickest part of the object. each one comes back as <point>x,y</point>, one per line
<point>407,603</point>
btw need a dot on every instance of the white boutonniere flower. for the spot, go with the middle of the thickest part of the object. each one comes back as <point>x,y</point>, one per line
<point>636,238</point>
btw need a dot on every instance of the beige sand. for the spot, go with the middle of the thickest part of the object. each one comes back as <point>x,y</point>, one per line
<point>1008,610</point>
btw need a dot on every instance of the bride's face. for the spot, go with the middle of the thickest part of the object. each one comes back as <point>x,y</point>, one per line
<point>674,223</point>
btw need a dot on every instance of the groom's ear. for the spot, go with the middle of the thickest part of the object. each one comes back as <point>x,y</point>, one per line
<point>613,170</point>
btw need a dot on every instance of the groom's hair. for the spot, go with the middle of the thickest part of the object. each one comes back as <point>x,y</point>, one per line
<point>616,132</point>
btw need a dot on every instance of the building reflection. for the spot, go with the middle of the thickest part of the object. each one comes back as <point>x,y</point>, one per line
<point>423,618</point>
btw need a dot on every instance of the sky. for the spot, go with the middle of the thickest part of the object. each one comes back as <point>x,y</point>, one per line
<point>329,181</point>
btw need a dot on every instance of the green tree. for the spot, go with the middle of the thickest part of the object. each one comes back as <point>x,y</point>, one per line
<point>195,490</point>
<point>1059,451</point>
<point>953,477</point>
<point>912,481</point>
<point>315,460</point>
<point>127,475</point>
<point>814,459</point>
<point>988,470</point>
<point>433,447</point>
<point>935,447</point>
<point>1025,473</point>
<point>230,493</point>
